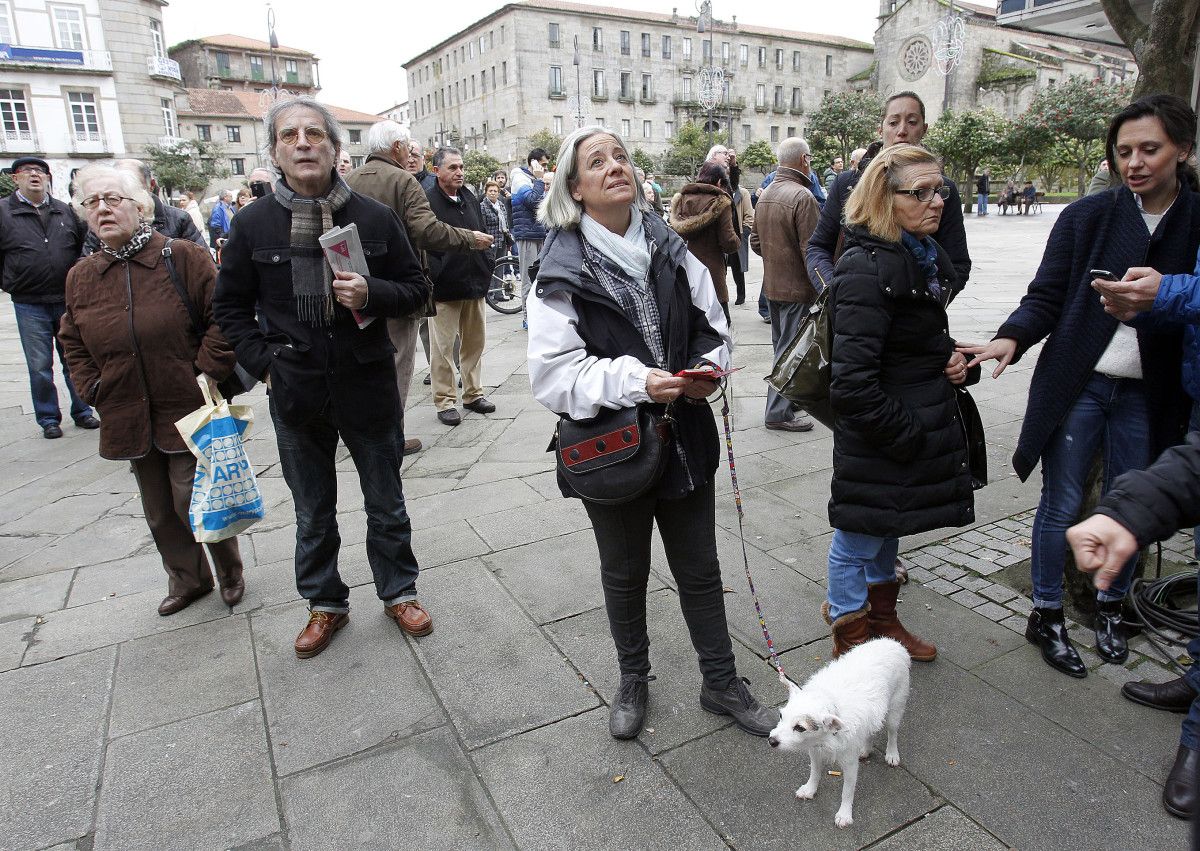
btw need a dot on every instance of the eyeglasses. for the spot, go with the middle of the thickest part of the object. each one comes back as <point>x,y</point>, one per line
<point>110,199</point>
<point>32,169</point>
<point>926,193</point>
<point>312,135</point>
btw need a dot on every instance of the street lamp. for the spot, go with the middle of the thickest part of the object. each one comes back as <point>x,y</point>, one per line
<point>578,88</point>
<point>274,43</point>
<point>711,77</point>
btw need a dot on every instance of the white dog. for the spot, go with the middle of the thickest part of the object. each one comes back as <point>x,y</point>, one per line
<point>838,710</point>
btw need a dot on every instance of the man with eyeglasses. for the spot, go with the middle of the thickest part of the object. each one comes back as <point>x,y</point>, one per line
<point>40,240</point>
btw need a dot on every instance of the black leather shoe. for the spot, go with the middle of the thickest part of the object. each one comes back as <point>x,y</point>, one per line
<point>52,431</point>
<point>1048,631</point>
<point>1112,645</point>
<point>1179,792</point>
<point>628,712</point>
<point>1172,696</point>
<point>171,605</point>
<point>450,417</point>
<point>88,422</point>
<point>480,406</point>
<point>427,380</point>
<point>736,700</point>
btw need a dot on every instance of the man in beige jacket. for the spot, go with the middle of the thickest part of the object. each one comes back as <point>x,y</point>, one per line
<point>784,219</point>
<point>384,178</point>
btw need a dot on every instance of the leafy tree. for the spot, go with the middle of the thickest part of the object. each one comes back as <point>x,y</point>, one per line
<point>967,141</point>
<point>643,160</point>
<point>1072,117</point>
<point>688,149</point>
<point>479,166</point>
<point>7,185</point>
<point>757,155</point>
<point>1163,48</point>
<point>187,164</point>
<point>850,119</point>
<point>543,139</point>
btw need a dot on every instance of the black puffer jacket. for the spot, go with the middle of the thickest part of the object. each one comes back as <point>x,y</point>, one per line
<point>899,449</point>
<point>1154,502</point>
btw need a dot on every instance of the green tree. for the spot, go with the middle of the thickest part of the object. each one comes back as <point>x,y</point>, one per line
<point>643,160</point>
<point>1072,117</point>
<point>1163,48</point>
<point>689,145</point>
<point>544,139</point>
<point>967,141</point>
<point>187,164</point>
<point>758,155</point>
<point>479,166</point>
<point>7,185</point>
<point>849,119</point>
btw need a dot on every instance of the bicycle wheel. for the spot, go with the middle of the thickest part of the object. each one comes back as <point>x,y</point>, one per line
<point>504,291</point>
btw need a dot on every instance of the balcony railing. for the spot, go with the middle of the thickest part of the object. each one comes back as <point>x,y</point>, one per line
<point>52,57</point>
<point>18,141</point>
<point>161,66</point>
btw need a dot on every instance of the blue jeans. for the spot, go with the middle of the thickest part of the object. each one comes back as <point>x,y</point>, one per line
<point>38,324</point>
<point>306,454</point>
<point>1110,414</point>
<point>982,204</point>
<point>856,561</point>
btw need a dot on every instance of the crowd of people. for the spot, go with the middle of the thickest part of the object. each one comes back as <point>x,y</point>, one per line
<point>629,316</point>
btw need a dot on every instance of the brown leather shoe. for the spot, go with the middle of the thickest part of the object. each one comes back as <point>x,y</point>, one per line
<point>412,445</point>
<point>232,593</point>
<point>319,631</point>
<point>411,617</point>
<point>849,630</point>
<point>883,622</point>
<point>177,603</point>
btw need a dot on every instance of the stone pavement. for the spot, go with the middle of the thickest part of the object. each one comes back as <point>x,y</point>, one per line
<point>128,731</point>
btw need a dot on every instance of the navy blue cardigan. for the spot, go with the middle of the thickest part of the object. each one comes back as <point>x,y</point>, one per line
<point>1104,231</point>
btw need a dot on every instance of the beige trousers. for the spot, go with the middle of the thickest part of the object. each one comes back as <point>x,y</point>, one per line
<point>464,319</point>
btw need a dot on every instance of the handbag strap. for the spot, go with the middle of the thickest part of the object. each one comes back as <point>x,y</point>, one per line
<point>194,314</point>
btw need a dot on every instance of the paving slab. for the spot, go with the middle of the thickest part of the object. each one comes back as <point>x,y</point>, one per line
<point>16,547</point>
<point>770,520</point>
<point>206,778</point>
<point>14,637</point>
<point>471,502</point>
<point>120,578</point>
<point>504,529</point>
<point>962,637</point>
<point>514,681</point>
<point>34,595</point>
<point>421,792</point>
<point>581,788</point>
<point>442,543</point>
<point>151,690</point>
<point>945,829</point>
<point>64,515</point>
<point>55,716</point>
<point>364,689</point>
<point>111,538</point>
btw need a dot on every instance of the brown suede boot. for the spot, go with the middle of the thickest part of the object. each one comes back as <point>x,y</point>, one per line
<point>883,622</point>
<point>849,631</point>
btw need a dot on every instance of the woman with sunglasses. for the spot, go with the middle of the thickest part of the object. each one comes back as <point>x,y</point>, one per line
<point>134,355</point>
<point>1102,385</point>
<point>899,449</point>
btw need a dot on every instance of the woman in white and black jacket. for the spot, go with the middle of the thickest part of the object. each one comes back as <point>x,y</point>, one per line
<point>619,307</point>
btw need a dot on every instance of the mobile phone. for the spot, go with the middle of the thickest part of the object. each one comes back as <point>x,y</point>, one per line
<point>1103,274</point>
<point>260,188</point>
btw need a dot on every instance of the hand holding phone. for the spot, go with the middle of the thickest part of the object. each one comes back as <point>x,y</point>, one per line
<point>1103,274</point>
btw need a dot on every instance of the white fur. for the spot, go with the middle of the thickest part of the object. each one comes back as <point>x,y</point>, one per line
<point>833,717</point>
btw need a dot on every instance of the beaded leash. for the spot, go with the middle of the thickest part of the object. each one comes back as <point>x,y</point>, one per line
<point>737,498</point>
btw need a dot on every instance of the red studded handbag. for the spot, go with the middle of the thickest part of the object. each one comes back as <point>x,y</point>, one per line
<point>615,456</point>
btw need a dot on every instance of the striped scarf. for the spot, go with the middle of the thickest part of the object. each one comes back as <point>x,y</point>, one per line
<point>312,279</point>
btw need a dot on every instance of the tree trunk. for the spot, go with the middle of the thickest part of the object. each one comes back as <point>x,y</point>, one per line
<point>1164,48</point>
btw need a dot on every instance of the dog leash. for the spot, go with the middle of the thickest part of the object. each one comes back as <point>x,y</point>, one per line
<point>726,391</point>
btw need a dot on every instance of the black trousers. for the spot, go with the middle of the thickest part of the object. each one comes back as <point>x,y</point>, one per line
<point>734,262</point>
<point>688,530</point>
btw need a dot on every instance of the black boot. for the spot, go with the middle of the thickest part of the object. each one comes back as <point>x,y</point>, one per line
<point>1048,631</point>
<point>628,712</point>
<point>1172,696</point>
<point>737,701</point>
<point>1179,792</point>
<point>1112,645</point>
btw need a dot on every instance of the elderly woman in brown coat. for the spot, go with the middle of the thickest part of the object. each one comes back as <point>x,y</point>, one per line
<point>702,214</point>
<point>134,355</point>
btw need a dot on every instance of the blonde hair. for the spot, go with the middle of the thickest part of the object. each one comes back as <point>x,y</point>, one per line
<point>558,209</point>
<point>872,203</point>
<point>131,187</point>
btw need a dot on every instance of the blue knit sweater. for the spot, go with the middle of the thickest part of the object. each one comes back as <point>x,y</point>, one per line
<point>1104,231</point>
<point>1178,300</point>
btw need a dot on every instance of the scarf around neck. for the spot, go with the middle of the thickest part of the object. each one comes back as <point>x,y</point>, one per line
<point>630,252</point>
<point>312,279</point>
<point>135,244</point>
<point>924,251</point>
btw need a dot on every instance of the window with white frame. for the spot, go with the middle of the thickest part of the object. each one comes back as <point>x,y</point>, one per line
<point>725,54</point>
<point>746,133</point>
<point>624,128</point>
<point>647,129</point>
<point>666,47</point>
<point>6,26</point>
<point>556,80</point>
<point>597,82</point>
<point>762,57</point>
<point>797,98</point>
<point>743,55</point>
<point>796,60</point>
<point>554,35</point>
<point>68,27</point>
<point>774,135</point>
<point>557,125</point>
<point>646,45</point>
<point>760,94</point>
<point>168,114</point>
<point>597,38</point>
<point>647,87</point>
<point>156,34</point>
<point>669,129</point>
<point>779,58</point>
<point>687,50</point>
<point>14,115</point>
<point>687,88</point>
<point>625,42</point>
<point>85,120</point>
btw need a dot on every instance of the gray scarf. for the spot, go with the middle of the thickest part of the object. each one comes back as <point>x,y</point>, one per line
<point>312,279</point>
<point>630,252</point>
<point>136,242</point>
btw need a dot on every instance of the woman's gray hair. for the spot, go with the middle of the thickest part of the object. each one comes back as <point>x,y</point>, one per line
<point>336,135</point>
<point>131,187</point>
<point>558,208</point>
<point>383,135</point>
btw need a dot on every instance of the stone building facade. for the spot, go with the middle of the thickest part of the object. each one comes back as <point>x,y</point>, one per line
<point>1000,67</point>
<point>510,74</point>
<point>237,63</point>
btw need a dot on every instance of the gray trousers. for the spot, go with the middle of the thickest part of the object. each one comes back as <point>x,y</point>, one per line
<point>527,254</point>
<point>403,332</point>
<point>786,317</point>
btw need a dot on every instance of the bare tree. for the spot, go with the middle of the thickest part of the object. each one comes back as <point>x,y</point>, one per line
<point>1164,48</point>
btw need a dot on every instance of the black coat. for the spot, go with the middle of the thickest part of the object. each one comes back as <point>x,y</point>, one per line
<point>608,333</point>
<point>1154,502</point>
<point>1104,231</point>
<point>171,222</point>
<point>458,275</point>
<point>36,254</point>
<point>822,245</point>
<point>899,448</point>
<point>311,367</point>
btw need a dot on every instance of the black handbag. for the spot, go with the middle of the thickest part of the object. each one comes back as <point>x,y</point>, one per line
<point>239,381</point>
<point>615,456</point>
<point>972,423</point>
<point>801,374</point>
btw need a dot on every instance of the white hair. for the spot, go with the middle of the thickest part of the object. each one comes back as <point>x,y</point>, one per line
<point>791,150</point>
<point>131,187</point>
<point>383,135</point>
<point>714,150</point>
<point>558,208</point>
<point>857,154</point>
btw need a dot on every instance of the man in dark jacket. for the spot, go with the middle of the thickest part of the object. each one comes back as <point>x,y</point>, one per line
<point>171,222</point>
<point>329,376</point>
<point>1144,506</point>
<point>529,184</point>
<point>40,240</point>
<point>460,281</point>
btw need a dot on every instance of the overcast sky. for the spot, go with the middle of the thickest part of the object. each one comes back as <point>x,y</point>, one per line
<point>361,43</point>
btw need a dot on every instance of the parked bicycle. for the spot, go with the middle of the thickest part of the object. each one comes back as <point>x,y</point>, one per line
<point>504,292</point>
